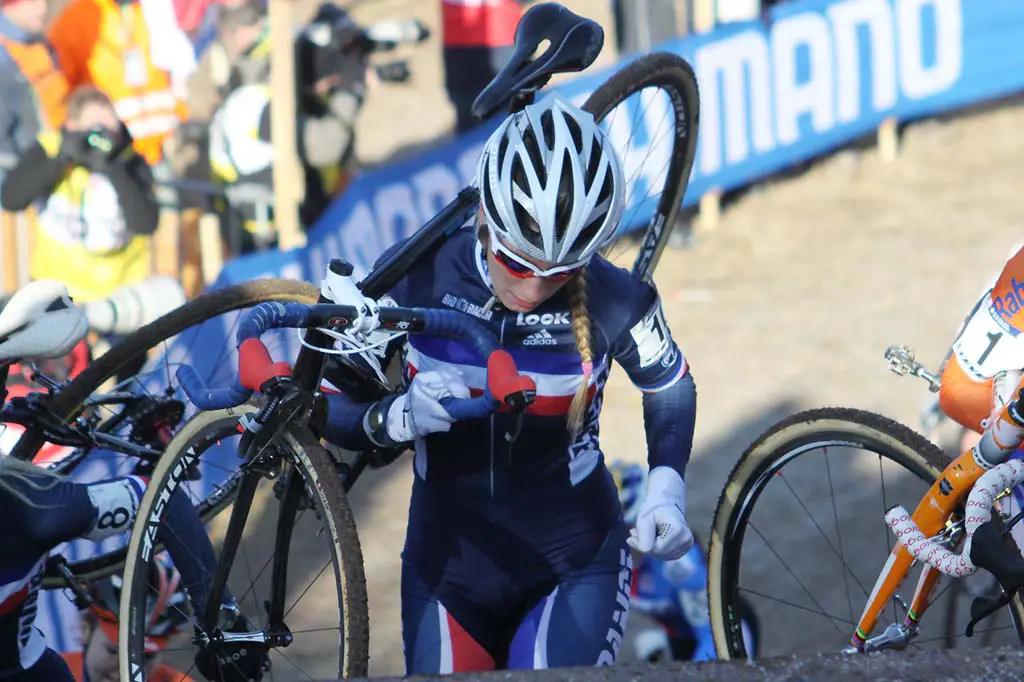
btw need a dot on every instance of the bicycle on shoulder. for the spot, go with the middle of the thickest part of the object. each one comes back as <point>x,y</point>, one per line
<point>291,521</point>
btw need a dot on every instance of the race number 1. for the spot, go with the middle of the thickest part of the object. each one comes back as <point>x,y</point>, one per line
<point>984,348</point>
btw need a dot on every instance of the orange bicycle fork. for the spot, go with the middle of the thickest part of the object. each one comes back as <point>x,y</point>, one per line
<point>1001,438</point>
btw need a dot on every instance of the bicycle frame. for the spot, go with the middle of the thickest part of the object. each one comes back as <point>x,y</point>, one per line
<point>934,516</point>
<point>309,365</point>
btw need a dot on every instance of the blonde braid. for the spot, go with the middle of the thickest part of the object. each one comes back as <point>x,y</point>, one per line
<point>581,330</point>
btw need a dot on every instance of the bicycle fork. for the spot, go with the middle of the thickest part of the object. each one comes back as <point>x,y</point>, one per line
<point>1003,434</point>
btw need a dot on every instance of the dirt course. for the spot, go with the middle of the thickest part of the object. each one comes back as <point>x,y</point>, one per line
<point>788,305</point>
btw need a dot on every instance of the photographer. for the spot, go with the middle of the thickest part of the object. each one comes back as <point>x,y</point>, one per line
<point>96,195</point>
<point>332,69</point>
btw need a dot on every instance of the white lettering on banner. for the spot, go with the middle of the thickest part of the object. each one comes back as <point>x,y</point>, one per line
<point>396,212</point>
<point>917,80</point>
<point>847,19</point>
<point>434,187</point>
<point>814,96</point>
<point>399,209</point>
<point>359,238</point>
<point>731,59</point>
<point>738,82</point>
<point>467,163</point>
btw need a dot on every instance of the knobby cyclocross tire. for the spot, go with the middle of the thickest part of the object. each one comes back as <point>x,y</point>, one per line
<point>321,478</point>
<point>67,403</point>
<point>672,75</point>
<point>886,437</point>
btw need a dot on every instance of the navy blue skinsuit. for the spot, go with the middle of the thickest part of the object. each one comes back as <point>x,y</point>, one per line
<point>515,554</point>
<point>61,511</point>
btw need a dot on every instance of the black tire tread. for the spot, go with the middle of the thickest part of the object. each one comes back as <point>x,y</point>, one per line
<point>319,471</point>
<point>349,551</point>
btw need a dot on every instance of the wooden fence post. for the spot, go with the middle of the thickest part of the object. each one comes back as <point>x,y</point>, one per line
<point>888,139</point>
<point>289,186</point>
<point>10,250</point>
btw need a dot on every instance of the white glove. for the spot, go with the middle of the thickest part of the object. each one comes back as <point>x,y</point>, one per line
<point>418,411</point>
<point>660,529</point>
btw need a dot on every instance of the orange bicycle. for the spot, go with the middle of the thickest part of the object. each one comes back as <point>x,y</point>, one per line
<point>772,505</point>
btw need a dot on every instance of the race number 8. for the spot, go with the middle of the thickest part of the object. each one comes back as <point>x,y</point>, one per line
<point>113,519</point>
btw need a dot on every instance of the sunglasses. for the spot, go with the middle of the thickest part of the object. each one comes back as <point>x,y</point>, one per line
<point>520,268</point>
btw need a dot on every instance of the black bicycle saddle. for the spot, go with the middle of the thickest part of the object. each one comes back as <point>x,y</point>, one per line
<point>574,43</point>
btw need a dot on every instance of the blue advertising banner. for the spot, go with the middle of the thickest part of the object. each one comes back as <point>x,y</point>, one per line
<point>815,76</point>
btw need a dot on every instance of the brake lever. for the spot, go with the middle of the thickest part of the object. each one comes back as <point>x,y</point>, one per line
<point>983,607</point>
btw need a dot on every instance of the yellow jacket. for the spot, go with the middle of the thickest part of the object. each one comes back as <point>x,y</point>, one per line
<point>81,238</point>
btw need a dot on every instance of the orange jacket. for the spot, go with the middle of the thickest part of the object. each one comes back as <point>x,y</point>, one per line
<point>986,346</point>
<point>35,60</point>
<point>105,44</point>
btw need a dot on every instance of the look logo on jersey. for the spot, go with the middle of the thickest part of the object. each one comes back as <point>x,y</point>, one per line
<point>547,319</point>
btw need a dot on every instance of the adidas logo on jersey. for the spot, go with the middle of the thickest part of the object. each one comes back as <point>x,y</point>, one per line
<point>541,338</point>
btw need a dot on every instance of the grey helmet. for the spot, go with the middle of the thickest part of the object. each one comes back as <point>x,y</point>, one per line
<point>550,182</point>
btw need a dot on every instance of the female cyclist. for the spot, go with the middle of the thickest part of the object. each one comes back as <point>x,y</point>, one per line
<point>516,553</point>
<point>42,511</point>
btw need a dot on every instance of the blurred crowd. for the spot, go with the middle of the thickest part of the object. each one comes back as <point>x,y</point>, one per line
<point>119,112</point>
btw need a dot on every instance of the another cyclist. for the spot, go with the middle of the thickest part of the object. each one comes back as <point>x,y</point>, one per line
<point>516,553</point>
<point>986,360</point>
<point>168,617</point>
<point>673,593</point>
<point>42,511</point>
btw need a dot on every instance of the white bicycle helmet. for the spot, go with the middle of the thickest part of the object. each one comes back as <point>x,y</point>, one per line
<point>550,183</point>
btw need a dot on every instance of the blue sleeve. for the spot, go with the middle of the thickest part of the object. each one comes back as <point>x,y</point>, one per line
<point>60,511</point>
<point>54,512</point>
<point>646,350</point>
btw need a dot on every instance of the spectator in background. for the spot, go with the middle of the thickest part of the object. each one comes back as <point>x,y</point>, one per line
<point>477,36</point>
<point>331,80</point>
<point>136,53</point>
<point>33,87</point>
<point>111,45</point>
<point>98,207</point>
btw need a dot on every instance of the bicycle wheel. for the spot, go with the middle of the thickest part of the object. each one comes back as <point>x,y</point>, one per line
<point>312,507</point>
<point>755,564</point>
<point>629,103</point>
<point>164,343</point>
